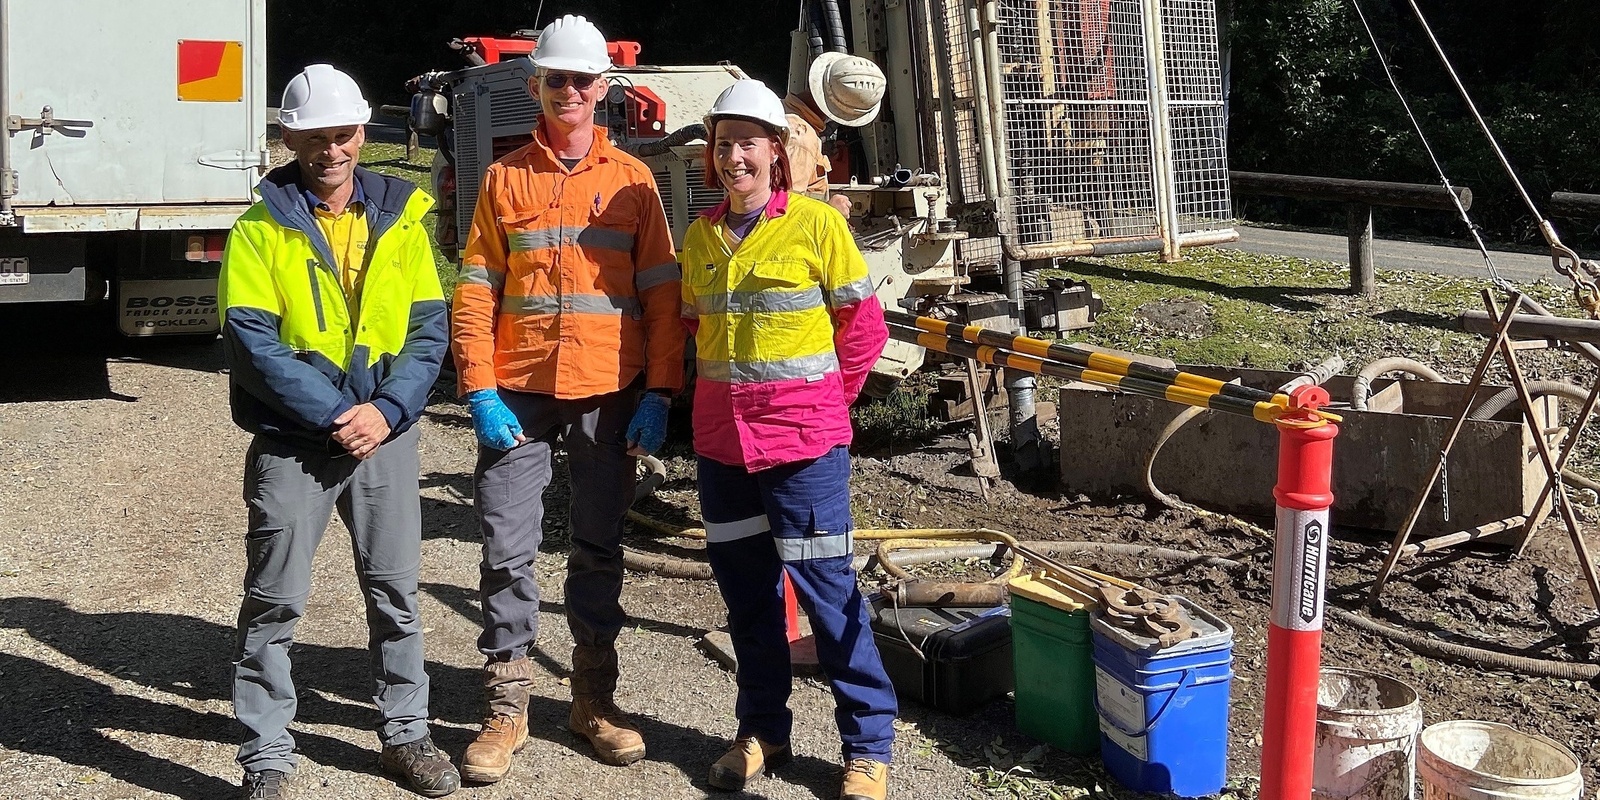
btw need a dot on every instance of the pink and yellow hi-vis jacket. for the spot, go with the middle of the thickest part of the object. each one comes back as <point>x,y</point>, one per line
<point>786,328</point>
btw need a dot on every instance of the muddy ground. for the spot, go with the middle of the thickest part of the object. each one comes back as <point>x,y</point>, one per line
<point>121,553</point>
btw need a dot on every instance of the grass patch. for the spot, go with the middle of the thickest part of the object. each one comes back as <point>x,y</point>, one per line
<point>899,419</point>
<point>1276,312</point>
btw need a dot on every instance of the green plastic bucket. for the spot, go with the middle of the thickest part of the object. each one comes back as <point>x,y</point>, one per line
<point>1053,663</point>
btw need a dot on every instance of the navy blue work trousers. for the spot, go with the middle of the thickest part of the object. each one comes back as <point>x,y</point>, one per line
<point>795,518</point>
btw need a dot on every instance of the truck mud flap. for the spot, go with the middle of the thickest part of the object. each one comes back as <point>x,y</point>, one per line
<point>168,307</point>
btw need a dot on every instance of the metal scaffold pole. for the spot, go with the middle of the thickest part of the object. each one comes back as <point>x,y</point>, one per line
<point>1161,156</point>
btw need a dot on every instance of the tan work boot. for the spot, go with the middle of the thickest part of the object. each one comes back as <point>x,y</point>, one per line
<point>594,715</point>
<point>749,758</point>
<point>612,735</point>
<point>865,779</point>
<point>506,686</point>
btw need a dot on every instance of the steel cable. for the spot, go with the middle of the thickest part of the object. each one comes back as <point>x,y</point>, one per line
<point>1461,210</point>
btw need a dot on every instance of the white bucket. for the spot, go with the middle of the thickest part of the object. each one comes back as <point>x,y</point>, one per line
<point>1367,727</point>
<point>1469,760</point>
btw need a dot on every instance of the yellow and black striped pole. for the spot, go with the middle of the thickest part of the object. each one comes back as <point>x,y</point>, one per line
<point>1086,359</point>
<point>1159,389</point>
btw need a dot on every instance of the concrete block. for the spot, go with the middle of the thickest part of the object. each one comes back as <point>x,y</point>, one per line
<point>1228,463</point>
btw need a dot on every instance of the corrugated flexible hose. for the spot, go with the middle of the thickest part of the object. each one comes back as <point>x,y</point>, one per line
<point>1538,389</point>
<point>1362,389</point>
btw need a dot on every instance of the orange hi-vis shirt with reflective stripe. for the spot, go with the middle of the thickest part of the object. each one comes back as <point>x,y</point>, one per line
<point>569,283</point>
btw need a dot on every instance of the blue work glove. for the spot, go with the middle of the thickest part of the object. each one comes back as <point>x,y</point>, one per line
<point>648,430</point>
<point>495,425</point>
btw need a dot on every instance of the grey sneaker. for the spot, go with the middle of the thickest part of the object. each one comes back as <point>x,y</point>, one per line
<point>268,784</point>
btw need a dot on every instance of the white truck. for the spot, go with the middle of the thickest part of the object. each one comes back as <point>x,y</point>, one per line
<point>134,135</point>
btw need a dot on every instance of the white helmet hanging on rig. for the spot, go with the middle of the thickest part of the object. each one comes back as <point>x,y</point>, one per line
<point>849,89</point>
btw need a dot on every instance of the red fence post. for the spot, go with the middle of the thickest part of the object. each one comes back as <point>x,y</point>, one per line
<point>1299,574</point>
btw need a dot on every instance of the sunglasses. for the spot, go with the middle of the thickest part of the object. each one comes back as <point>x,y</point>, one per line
<point>559,80</point>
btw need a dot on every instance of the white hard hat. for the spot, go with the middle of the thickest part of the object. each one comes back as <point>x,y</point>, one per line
<point>322,97</point>
<point>849,89</point>
<point>749,99</point>
<point>572,44</point>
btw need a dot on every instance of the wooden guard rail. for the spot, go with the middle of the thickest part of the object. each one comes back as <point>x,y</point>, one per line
<point>1573,204</point>
<point>1359,197</point>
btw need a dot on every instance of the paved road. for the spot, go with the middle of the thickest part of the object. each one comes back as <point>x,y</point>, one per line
<point>1390,254</point>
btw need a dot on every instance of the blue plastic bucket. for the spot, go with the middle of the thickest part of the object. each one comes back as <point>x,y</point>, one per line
<point>1164,711</point>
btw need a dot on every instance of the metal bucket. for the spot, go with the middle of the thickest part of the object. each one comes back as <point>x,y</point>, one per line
<point>1468,760</point>
<point>1367,727</point>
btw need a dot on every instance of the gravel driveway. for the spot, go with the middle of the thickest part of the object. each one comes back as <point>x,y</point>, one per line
<point>121,554</point>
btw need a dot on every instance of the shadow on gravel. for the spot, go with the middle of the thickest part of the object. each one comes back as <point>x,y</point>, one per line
<point>55,713</point>
<point>59,352</point>
<point>60,715</point>
<point>445,411</point>
<point>987,742</point>
<point>690,750</point>
<point>190,658</point>
<point>453,516</point>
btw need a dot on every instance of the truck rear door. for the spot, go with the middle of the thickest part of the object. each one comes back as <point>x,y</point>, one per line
<point>135,103</point>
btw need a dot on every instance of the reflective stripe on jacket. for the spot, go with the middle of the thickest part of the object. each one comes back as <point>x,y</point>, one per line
<point>298,357</point>
<point>569,283</point>
<point>786,330</point>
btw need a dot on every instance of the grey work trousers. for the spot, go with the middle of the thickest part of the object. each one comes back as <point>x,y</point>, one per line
<point>509,494</point>
<point>291,494</point>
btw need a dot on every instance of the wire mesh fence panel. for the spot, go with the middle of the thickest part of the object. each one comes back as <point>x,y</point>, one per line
<point>1078,162</point>
<point>1200,155</point>
<point>951,22</point>
<point>978,254</point>
<point>1075,88</point>
<point>1189,38</point>
<point>1199,125</point>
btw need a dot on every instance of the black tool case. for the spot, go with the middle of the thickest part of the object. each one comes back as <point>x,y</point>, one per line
<point>967,651</point>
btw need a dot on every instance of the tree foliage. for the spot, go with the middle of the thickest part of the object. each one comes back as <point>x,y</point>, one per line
<point>1309,97</point>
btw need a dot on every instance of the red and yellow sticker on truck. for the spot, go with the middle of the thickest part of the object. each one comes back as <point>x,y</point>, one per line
<point>210,71</point>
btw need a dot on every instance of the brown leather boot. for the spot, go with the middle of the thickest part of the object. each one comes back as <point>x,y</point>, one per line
<point>749,759</point>
<point>865,779</point>
<point>594,714</point>
<point>506,686</point>
<point>615,739</point>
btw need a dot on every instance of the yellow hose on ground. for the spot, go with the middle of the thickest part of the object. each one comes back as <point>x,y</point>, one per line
<point>889,545</point>
<point>892,539</point>
<point>967,534</point>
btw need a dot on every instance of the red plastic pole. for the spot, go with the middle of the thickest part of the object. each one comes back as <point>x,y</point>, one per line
<point>791,610</point>
<point>1299,573</point>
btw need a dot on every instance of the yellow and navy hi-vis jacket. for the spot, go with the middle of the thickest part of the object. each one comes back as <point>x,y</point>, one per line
<point>298,357</point>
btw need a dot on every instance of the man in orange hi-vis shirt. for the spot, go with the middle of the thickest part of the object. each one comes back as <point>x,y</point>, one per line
<point>565,326</point>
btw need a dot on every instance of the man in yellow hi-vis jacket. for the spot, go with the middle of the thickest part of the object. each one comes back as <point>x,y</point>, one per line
<point>334,327</point>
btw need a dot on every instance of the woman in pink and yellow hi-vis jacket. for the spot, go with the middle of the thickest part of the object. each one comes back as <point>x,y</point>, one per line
<point>786,327</point>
